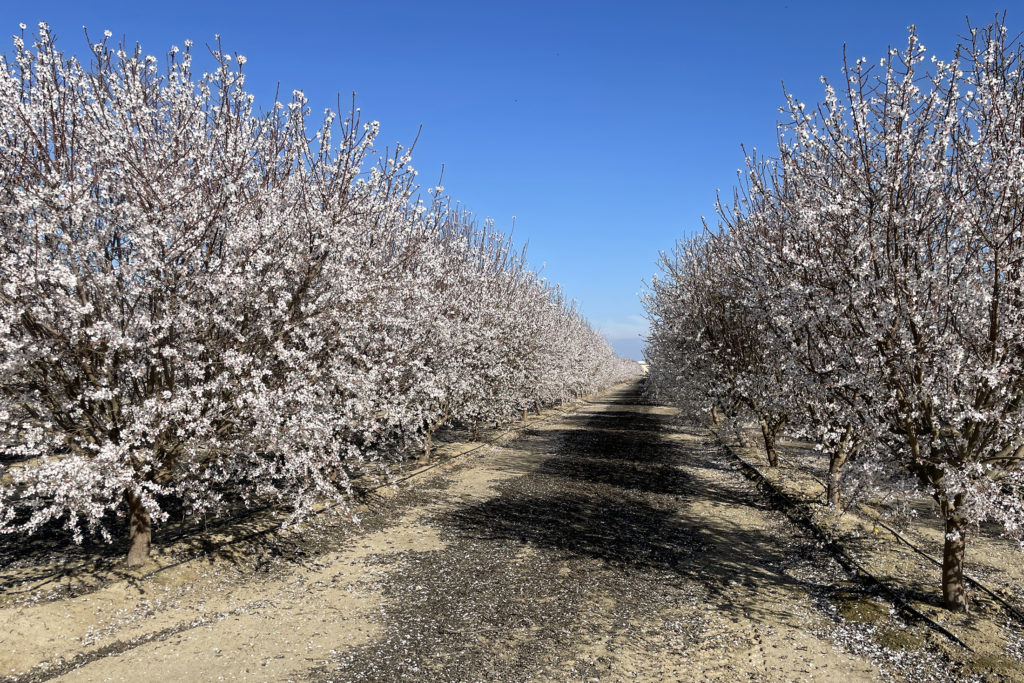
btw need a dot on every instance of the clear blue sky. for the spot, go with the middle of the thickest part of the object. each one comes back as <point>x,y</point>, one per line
<point>604,127</point>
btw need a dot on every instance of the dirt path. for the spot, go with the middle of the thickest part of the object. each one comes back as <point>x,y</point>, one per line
<point>629,551</point>
<point>608,545</point>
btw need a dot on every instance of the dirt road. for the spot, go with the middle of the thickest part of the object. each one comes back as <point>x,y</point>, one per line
<point>609,544</point>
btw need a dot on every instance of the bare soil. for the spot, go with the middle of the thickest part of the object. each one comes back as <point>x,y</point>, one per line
<point>607,543</point>
<point>903,553</point>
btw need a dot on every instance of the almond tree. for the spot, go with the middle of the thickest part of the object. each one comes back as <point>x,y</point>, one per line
<point>715,336</point>
<point>205,306</point>
<point>931,203</point>
<point>883,248</point>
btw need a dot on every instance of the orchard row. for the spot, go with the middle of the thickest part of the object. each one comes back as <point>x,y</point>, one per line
<point>201,304</point>
<point>864,289</point>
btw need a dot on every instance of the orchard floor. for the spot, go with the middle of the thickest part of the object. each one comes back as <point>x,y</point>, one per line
<point>605,544</point>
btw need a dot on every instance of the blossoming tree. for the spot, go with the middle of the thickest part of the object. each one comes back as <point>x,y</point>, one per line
<point>202,305</point>
<point>881,256</point>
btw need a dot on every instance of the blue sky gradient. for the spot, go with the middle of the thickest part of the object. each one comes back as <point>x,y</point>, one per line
<point>605,128</point>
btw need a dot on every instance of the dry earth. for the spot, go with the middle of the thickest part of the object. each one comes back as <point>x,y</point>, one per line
<point>604,544</point>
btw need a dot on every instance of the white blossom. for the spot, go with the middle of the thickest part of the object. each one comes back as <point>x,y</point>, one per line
<point>866,284</point>
<point>203,305</point>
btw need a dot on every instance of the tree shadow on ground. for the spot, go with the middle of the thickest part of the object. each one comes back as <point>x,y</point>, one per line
<point>617,492</point>
<point>51,564</point>
<point>635,450</point>
<point>633,537</point>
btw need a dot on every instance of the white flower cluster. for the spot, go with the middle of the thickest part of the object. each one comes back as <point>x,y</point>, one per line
<point>866,287</point>
<point>200,304</point>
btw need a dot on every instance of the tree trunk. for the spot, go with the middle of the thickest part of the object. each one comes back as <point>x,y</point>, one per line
<point>713,422</point>
<point>836,461</point>
<point>140,532</point>
<point>835,472</point>
<point>428,440</point>
<point>536,407</point>
<point>769,432</point>
<point>954,593</point>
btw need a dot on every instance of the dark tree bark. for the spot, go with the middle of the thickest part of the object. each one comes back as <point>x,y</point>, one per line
<point>954,592</point>
<point>140,532</point>
<point>770,433</point>
<point>428,435</point>
<point>836,461</point>
<point>835,473</point>
<point>714,424</point>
